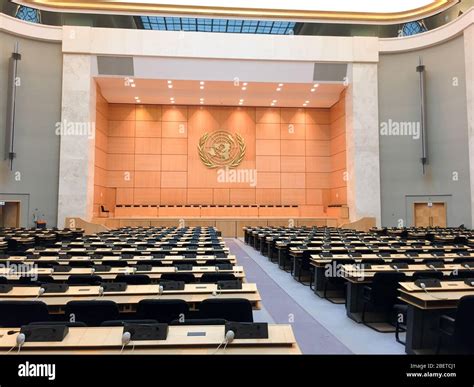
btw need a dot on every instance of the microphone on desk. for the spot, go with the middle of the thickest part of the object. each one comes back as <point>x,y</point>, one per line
<point>423,286</point>
<point>160,290</point>
<point>432,267</point>
<point>126,337</point>
<point>40,292</point>
<point>20,340</point>
<point>228,338</point>
<point>101,291</point>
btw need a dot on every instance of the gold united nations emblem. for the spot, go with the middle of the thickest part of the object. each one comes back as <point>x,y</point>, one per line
<point>221,149</point>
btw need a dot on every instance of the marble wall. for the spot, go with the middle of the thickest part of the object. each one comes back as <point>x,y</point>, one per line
<point>76,170</point>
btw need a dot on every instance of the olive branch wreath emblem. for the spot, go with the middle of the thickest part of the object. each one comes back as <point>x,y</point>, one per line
<point>233,163</point>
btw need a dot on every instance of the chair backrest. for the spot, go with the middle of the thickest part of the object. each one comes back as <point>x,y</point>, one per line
<point>92,313</point>
<point>92,280</point>
<point>187,278</point>
<point>113,263</point>
<point>230,309</point>
<point>464,326</point>
<point>427,274</point>
<point>18,313</point>
<point>212,278</point>
<point>163,311</point>
<point>133,279</point>
<point>385,288</point>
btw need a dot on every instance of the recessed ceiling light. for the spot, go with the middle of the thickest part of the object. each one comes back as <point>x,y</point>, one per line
<point>245,83</point>
<point>172,101</point>
<point>201,87</point>
<point>305,104</point>
<point>170,86</point>
<point>138,101</point>
<point>201,99</point>
<point>316,85</point>
<point>244,88</point>
<point>278,88</point>
<point>137,97</point>
<point>201,102</point>
<point>313,90</point>
<point>274,101</point>
<point>170,82</point>
<point>280,85</point>
<point>201,83</point>
<point>306,101</point>
<point>132,84</point>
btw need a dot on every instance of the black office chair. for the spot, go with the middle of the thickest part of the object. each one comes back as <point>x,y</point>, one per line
<point>212,278</point>
<point>18,313</point>
<point>187,278</point>
<point>461,274</point>
<point>91,280</point>
<point>81,264</point>
<point>3,281</point>
<point>163,311</point>
<point>33,281</point>
<point>401,310</point>
<point>460,329</point>
<point>92,313</point>
<point>336,280</point>
<point>230,309</point>
<point>382,294</point>
<point>114,263</point>
<point>133,279</point>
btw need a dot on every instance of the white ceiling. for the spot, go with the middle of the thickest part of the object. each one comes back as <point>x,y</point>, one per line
<point>156,91</point>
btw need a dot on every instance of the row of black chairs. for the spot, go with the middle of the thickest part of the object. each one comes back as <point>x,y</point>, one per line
<point>95,313</point>
<point>131,279</point>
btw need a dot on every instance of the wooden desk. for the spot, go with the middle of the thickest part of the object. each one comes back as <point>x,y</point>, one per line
<point>182,339</point>
<point>154,274</point>
<point>127,301</point>
<point>424,310</point>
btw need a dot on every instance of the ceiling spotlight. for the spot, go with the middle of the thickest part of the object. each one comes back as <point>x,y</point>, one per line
<point>201,99</point>
<point>316,85</point>
<point>245,83</point>
<point>274,101</point>
<point>170,82</point>
<point>132,84</point>
<point>201,83</point>
<point>172,101</point>
<point>280,85</point>
<point>201,102</point>
<point>137,97</point>
<point>278,88</point>
<point>305,104</point>
<point>244,88</point>
<point>313,90</point>
<point>201,87</point>
<point>170,86</point>
<point>306,101</point>
<point>138,101</point>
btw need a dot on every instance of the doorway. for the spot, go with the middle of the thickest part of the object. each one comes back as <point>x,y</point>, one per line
<point>9,214</point>
<point>430,214</point>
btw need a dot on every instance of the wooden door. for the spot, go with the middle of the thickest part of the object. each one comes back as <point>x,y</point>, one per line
<point>430,214</point>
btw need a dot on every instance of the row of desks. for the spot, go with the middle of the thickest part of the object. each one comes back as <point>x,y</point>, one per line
<point>181,339</point>
<point>133,260</point>
<point>154,273</point>
<point>127,300</point>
